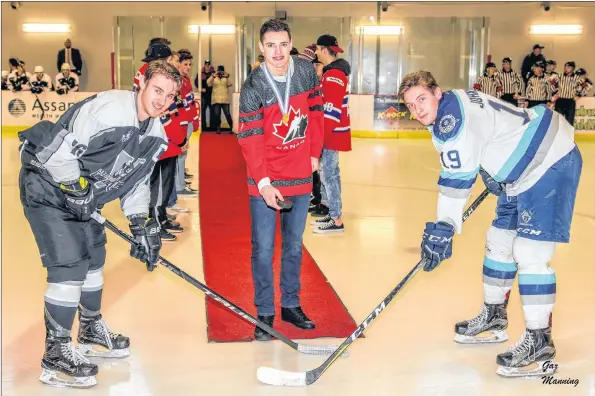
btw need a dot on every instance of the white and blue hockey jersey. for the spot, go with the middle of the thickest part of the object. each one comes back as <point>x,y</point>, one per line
<point>515,146</point>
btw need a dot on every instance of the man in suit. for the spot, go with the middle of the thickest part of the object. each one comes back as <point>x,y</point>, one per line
<point>72,56</point>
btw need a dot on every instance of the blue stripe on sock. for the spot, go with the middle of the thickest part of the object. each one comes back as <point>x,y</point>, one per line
<point>498,269</point>
<point>537,279</point>
<point>537,289</point>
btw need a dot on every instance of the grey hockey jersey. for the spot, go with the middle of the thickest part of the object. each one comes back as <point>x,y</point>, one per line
<point>101,139</point>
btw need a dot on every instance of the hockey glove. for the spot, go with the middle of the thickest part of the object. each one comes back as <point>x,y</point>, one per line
<point>148,241</point>
<point>436,245</point>
<point>492,185</point>
<point>80,200</point>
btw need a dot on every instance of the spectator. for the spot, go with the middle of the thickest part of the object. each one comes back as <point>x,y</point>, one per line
<point>66,81</point>
<point>530,60</point>
<point>71,56</point>
<point>205,94</point>
<point>5,74</point>
<point>19,79</point>
<point>220,97</point>
<point>259,60</point>
<point>40,81</point>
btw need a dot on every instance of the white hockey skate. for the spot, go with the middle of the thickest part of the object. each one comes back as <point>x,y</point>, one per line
<point>532,356</point>
<point>95,339</point>
<point>486,328</point>
<point>63,367</point>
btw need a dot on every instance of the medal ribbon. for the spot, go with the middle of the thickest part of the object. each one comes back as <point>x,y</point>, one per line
<point>283,105</point>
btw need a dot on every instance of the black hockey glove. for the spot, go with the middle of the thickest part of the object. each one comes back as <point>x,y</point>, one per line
<point>148,241</point>
<point>492,185</point>
<point>80,199</point>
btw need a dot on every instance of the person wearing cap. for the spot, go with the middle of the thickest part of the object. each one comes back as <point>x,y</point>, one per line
<point>553,79</point>
<point>205,95</point>
<point>487,83</point>
<point>66,81</point>
<point>158,49</point>
<point>5,74</point>
<point>40,81</point>
<point>19,79</point>
<point>70,55</point>
<point>337,129</point>
<point>537,86</point>
<point>568,92</point>
<point>511,82</point>
<point>530,60</point>
<point>317,208</point>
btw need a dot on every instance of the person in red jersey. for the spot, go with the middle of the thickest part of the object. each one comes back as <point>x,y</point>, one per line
<point>337,128</point>
<point>280,133</point>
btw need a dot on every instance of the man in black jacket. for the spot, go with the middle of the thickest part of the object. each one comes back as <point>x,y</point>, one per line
<point>530,60</point>
<point>70,55</point>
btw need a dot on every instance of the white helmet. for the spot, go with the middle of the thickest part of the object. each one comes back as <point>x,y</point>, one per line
<point>38,69</point>
<point>65,66</point>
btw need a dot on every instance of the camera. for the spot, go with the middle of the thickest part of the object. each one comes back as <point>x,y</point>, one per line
<point>203,6</point>
<point>546,6</point>
<point>384,6</point>
<point>15,5</point>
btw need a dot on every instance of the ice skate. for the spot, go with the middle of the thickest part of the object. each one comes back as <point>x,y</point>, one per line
<point>95,339</point>
<point>533,355</point>
<point>486,328</point>
<point>64,367</point>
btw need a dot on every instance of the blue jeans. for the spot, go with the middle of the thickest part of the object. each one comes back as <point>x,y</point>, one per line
<point>331,178</point>
<point>264,226</point>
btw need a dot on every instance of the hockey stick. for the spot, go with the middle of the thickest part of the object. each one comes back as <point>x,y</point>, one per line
<point>276,377</point>
<point>302,348</point>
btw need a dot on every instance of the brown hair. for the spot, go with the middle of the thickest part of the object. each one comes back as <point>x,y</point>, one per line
<point>162,67</point>
<point>419,78</point>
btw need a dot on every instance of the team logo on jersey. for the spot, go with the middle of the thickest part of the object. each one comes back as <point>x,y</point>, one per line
<point>16,107</point>
<point>447,123</point>
<point>298,124</point>
<point>526,217</point>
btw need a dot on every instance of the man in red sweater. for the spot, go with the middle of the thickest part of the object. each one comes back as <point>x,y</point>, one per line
<point>337,128</point>
<point>280,133</point>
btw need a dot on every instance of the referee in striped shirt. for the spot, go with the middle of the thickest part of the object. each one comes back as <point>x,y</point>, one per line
<point>538,86</point>
<point>568,92</point>
<point>511,82</point>
<point>488,83</point>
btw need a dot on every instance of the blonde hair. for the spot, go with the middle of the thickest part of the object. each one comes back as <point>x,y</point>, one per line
<point>162,67</point>
<point>419,78</point>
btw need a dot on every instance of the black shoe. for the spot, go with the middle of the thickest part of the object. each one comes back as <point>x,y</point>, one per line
<point>320,211</point>
<point>297,317</point>
<point>171,217</point>
<point>260,334</point>
<point>166,236</point>
<point>172,227</point>
<point>188,176</point>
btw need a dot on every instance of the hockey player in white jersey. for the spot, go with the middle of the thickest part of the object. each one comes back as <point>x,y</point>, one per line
<point>66,81</point>
<point>526,156</point>
<point>40,81</point>
<point>103,148</point>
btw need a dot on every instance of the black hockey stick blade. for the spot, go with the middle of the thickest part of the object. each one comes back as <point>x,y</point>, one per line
<point>276,377</point>
<point>302,348</point>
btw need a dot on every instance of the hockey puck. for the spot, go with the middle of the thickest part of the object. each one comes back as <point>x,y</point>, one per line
<point>284,204</point>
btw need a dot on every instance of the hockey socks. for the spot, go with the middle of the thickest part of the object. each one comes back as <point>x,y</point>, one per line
<point>61,301</point>
<point>499,268</point>
<point>90,304</point>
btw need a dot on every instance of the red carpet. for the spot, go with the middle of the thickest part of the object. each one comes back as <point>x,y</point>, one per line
<point>225,228</point>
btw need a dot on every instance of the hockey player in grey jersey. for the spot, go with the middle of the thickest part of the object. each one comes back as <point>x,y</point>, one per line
<point>103,148</point>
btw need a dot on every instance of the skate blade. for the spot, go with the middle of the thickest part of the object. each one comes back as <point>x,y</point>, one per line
<point>91,350</point>
<point>535,369</point>
<point>61,380</point>
<point>492,337</point>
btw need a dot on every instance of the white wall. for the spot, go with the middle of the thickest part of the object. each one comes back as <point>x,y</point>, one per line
<point>92,28</point>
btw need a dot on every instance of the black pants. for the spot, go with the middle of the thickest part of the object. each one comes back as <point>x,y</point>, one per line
<point>68,248</point>
<point>162,185</point>
<point>317,199</point>
<point>566,107</point>
<point>205,104</point>
<point>510,99</point>
<point>217,107</point>
<point>533,103</point>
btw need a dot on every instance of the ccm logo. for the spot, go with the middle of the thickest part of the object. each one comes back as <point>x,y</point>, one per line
<point>433,238</point>
<point>528,231</point>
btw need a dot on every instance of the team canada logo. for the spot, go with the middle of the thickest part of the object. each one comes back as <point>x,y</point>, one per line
<point>298,124</point>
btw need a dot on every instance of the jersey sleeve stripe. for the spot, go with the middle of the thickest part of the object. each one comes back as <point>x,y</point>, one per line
<point>460,184</point>
<point>317,107</point>
<point>459,175</point>
<point>331,117</point>
<point>250,132</point>
<point>251,125</point>
<point>454,192</point>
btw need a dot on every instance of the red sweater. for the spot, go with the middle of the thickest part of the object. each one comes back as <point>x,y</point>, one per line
<point>335,94</point>
<point>271,149</point>
<point>189,112</point>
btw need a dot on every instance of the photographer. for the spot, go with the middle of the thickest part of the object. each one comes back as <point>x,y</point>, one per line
<point>220,81</point>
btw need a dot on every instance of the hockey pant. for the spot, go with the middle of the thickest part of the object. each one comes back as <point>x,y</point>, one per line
<point>523,238</point>
<point>73,252</point>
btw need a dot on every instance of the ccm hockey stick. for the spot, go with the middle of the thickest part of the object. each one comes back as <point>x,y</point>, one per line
<point>305,349</point>
<point>276,377</point>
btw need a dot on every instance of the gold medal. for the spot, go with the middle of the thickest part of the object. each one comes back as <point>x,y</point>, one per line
<point>285,119</point>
